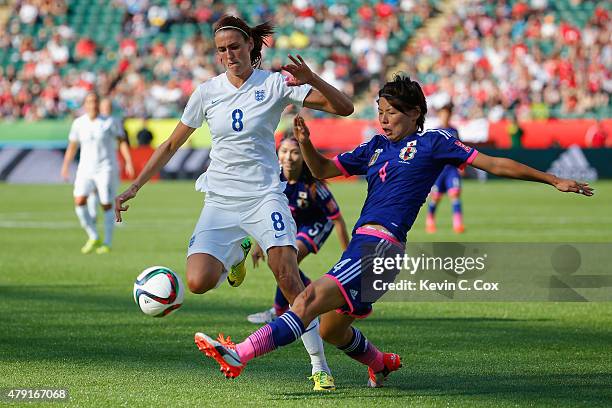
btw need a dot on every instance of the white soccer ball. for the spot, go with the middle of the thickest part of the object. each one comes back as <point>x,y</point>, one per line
<point>158,291</point>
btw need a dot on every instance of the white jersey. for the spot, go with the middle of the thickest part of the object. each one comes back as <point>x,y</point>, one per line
<point>98,141</point>
<point>242,122</point>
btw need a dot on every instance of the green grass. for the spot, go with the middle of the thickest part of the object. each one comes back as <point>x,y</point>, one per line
<point>68,320</point>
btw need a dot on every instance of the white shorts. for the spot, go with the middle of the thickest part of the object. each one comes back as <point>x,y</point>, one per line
<point>105,183</point>
<point>225,222</point>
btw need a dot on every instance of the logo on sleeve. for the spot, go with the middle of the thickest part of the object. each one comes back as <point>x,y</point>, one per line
<point>464,147</point>
<point>377,153</point>
<point>260,95</point>
<point>408,152</point>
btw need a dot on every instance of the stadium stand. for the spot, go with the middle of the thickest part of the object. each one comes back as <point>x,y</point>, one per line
<point>151,53</point>
<point>540,58</point>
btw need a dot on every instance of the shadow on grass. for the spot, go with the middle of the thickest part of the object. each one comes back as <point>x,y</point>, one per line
<point>86,325</point>
<point>563,389</point>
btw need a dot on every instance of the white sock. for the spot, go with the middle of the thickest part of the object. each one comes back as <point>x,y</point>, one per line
<point>92,206</point>
<point>86,221</point>
<point>314,345</point>
<point>109,225</point>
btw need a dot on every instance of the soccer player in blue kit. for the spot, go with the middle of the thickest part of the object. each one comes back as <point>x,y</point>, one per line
<point>315,212</point>
<point>400,166</point>
<point>449,182</point>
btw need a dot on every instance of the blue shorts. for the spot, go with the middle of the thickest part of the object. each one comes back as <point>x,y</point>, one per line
<point>448,181</point>
<point>314,235</point>
<point>355,267</point>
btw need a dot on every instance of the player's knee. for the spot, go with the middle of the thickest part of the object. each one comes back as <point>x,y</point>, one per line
<point>198,281</point>
<point>198,285</point>
<point>107,207</point>
<point>80,201</point>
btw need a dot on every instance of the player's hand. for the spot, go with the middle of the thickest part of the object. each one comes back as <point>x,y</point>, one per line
<point>573,186</point>
<point>257,255</point>
<point>121,199</point>
<point>299,70</point>
<point>300,130</point>
<point>129,170</point>
<point>65,173</point>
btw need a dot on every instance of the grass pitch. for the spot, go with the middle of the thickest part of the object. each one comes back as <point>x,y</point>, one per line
<point>68,320</point>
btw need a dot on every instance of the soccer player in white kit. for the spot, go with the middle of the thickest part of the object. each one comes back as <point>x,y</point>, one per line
<point>106,113</point>
<point>98,170</point>
<point>244,194</point>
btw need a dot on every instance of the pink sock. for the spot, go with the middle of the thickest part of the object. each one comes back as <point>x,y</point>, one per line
<point>258,343</point>
<point>372,357</point>
<point>457,219</point>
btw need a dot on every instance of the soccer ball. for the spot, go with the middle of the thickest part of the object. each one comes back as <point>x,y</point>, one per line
<point>158,291</point>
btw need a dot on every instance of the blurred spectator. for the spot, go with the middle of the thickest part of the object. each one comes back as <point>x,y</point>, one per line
<point>596,136</point>
<point>85,48</point>
<point>515,131</point>
<point>144,135</point>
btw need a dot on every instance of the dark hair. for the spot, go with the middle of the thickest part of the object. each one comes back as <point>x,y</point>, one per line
<point>405,94</point>
<point>259,34</point>
<point>306,175</point>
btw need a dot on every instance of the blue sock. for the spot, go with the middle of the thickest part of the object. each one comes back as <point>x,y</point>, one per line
<point>431,208</point>
<point>358,344</point>
<point>456,206</point>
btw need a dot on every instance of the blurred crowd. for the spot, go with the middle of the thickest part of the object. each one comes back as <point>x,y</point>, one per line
<point>493,58</point>
<point>53,67</point>
<point>490,57</point>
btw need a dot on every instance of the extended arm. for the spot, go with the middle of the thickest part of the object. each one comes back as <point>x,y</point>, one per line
<point>124,150</point>
<point>68,158</point>
<point>320,166</point>
<point>504,167</point>
<point>341,231</point>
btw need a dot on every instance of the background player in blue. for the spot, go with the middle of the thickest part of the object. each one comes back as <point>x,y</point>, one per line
<point>449,181</point>
<point>400,167</point>
<point>314,210</point>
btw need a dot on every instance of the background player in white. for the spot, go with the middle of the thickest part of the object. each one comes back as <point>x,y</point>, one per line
<point>98,170</point>
<point>244,194</point>
<point>106,113</point>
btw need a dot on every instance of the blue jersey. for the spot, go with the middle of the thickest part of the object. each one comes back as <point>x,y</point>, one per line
<point>400,174</point>
<point>310,202</point>
<point>449,172</point>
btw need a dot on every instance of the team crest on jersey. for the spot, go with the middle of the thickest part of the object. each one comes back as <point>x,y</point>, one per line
<point>408,152</point>
<point>377,153</point>
<point>302,201</point>
<point>260,95</point>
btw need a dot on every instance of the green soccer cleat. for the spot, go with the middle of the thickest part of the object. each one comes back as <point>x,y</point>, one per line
<point>322,381</point>
<point>236,275</point>
<point>90,246</point>
<point>103,249</point>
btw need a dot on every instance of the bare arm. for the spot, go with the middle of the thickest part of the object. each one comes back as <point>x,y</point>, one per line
<point>323,96</point>
<point>68,158</point>
<point>160,157</point>
<point>341,231</point>
<point>320,166</point>
<point>124,150</point>
<point>504,167</point>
